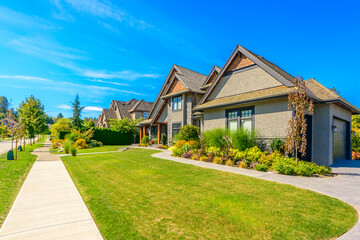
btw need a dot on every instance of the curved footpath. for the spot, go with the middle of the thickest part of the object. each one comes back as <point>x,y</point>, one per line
<point>345,187</point>
<point>48,205</point>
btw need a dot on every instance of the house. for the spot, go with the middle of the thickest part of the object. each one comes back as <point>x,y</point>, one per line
<point>251,92</point>
<point>132,109</point>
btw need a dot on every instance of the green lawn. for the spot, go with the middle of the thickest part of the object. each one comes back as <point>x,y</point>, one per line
<point>132,195</point>
<point>106,148</point>
<point>12,175</point>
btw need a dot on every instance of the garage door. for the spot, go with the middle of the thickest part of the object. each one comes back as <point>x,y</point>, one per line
<point>340,140</point>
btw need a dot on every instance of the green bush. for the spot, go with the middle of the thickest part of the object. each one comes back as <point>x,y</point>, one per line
<point>10,155</point>
<point>243,139</point>
<point>72,136</point>
<point>277,145</point>
<point>261,167</point>
<point>111,137</point>
<point>215,137</point>
<point>284,165</point>
<point>323,170</point>
<point>67,146</point>
<point>145,140</point>
<point>94,143</point>
<point>188,133</point>
<point>62,134</point>
<point>73,150</point>
<point>179,151</point>
<point>163,139</point>
<point>305,168</point>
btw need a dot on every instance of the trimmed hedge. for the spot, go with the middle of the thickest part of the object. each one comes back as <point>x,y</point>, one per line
<point>111,137</point>
<point>62,134</point>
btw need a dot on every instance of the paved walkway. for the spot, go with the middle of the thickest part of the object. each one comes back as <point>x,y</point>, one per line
<point>345,187</point>
<point>48,205</point>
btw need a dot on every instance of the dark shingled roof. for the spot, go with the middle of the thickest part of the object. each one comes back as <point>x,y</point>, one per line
<point>193,80</point>
<point>109,114</point>
<point>142,106</point>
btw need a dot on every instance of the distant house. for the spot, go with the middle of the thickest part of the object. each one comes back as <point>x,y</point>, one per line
<point>132,109</point>
<point>251,92</point>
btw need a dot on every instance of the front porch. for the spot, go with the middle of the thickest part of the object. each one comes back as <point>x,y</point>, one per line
<point>153,131</point>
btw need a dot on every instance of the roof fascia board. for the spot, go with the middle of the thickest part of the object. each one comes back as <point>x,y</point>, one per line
<point>209,76</point>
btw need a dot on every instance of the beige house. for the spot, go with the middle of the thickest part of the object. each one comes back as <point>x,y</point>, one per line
<point>132,109</point>
<point>252,93</point>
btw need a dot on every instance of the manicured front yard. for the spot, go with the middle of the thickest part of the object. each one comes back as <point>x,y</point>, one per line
<point>132,195</point>
<point>12,175</point>
<point>106,148</point>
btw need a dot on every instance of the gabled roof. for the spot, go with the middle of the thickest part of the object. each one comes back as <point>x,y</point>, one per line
<point>141,106</point>
<point>214,69</point>
<point>275,71</point>
<point>109,114</point>
<point>191,79</point>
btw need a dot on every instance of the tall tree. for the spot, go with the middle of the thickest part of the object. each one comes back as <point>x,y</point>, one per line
<point>4,105</point>
<point>300,103</point>
<point>32,116</point>
<point>60,116</point>
<point>77,109</point>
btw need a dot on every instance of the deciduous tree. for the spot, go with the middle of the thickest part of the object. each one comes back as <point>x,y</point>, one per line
<point>300,103</point>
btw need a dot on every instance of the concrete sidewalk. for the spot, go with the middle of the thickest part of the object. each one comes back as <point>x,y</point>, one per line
<point>345,186</point>
<point>48,205</point>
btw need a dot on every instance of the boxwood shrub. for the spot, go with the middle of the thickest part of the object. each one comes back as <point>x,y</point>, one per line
<point>111,137</point>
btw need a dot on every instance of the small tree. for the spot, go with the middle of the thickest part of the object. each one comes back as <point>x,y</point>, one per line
<point>77,109</point>
<point>299,102</point>
<point>125,125</point>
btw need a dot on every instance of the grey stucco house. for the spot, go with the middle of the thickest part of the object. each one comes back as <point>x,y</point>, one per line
<point>251,92</point>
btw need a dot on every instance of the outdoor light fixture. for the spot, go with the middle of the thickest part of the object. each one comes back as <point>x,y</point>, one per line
<point>334,128</point>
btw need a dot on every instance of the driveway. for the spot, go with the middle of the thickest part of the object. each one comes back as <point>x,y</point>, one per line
<point>345,186</point>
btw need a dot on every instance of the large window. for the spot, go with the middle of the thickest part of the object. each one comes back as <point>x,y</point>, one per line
<point>176,103</point>
<point>146,114</point>
<point>243,117</point>
<point>175,129</point>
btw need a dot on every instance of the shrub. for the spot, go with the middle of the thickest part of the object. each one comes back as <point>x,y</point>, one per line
<point>155,140</point>
<point>10,155</point>
<point>145,140</point>
<point>73,150</point>
<point>81,143</point>
<point>229,162</point>
<point>284,165</point>
<point>94,143</point>
<point>73,136</point>
<point>277,145</point>
<point>305,168</point>
<point>163,147</point>
<point>215,137</point>
<point>62,134</point>
<point>143,145</point>
<point>213,152</point>
<point>111,137</point>
<point>56,143</point>
<point>67,146</point>
<point>243,164</point>
<point>252,154</point>
<point>178,151</point>
<point>187,155</point>
<point>268,159</point>
<point>218,160</point>
<point>261,167</point>
<point>194,144</point>
<point>189,132</point>
<point>195,157</point>
<point>323,170</point>
<point>203,158</point>
<point>163,139</point>
<point>152,141</point>
<point>181,143</point>
<point>243,139</point>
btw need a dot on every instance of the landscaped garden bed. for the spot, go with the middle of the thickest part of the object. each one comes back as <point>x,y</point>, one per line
<point>240,149</point>
<point>132,195</point>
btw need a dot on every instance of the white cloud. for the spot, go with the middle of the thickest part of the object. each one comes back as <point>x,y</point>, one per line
<point>127,75</point>
<point>64,106</point>
<point>26,78</point>
<point>108,82</point>
<point>96,109</point>
<point>104,10</point>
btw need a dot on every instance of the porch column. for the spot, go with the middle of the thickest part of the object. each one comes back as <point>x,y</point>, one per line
<point>159,133</point>
<point>144,131</point>
<point>140,134</point>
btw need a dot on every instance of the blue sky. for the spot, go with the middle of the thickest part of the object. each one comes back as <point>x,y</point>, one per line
<point>107,49</point>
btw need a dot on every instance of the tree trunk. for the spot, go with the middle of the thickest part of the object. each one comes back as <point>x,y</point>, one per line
<point>24,142</point>
<point>16,141</point>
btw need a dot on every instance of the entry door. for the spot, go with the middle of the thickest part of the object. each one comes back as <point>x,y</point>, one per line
<point>339,144</point>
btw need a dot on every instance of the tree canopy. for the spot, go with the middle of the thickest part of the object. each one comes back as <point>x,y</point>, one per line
<point>125,125</point>
<point>32,116</point>
<point>62,124</point>
<point>77,109</point>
